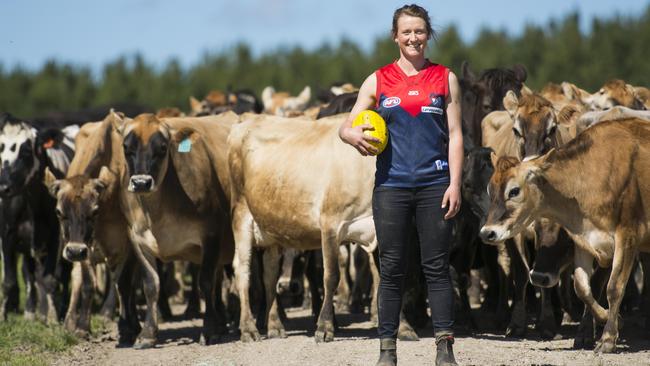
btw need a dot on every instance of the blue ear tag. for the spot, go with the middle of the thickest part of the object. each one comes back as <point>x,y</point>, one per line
<point>185,146</point>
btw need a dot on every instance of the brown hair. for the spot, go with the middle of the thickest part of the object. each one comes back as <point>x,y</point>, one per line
<point>414,11</point>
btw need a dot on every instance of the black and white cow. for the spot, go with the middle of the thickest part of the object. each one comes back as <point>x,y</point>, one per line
<point>28,223</point>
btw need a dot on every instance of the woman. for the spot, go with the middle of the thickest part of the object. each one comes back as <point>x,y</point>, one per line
<point>418,175</point>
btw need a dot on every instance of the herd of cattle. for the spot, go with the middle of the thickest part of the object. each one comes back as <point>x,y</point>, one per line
<point>258,200</point>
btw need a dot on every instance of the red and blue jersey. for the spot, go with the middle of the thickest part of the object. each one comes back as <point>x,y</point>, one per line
<point>414,110</point>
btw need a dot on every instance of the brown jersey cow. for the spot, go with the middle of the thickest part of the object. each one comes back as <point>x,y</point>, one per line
<point>595,187</point>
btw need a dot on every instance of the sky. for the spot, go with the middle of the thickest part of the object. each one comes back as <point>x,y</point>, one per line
<point>91,33</point>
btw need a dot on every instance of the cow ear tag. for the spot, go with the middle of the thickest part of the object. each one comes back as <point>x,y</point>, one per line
<point>185,146</point>
<point>48,144</point>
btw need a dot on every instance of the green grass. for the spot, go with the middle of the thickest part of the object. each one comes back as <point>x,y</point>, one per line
<point>31,342</point>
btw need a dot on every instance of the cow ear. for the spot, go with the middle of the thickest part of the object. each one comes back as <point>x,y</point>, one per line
<point>568,115</point>
<point>638,101</point>
<point>467,73</point>
<point>494,158</point>
<point>304,96</point>
<point>267,97</point>
<point>510,103</point>
<point>117,120</point>
<point>195,105</point>
<point>525,90</point>
<point>520,72</point>
<point>105,180</point>
<point>53,185</point>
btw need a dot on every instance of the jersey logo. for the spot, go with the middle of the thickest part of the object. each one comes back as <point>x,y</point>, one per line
<point>414,92</point>
<point>391,102</point>
<point>435,110</point>
<point>437,100</point>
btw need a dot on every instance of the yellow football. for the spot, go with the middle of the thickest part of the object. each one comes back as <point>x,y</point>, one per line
<point>380,131</point>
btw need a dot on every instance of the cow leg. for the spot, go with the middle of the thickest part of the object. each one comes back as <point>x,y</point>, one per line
<point>644,258</point>
<point>193,309</point>
<point>505,281</point>
<point>151,285</point>
<point>343,288</point>
<point>10,278</point>
<point>127,325</point>
<point>242,224</point>
<point>314,273</point>
<point>214,321</point>
<point>546,323</point>
<point>108,307</point>
<point>271,260</point>
<point>359,273</point>
<point>70,321</point>
<point>622,265</point>
<point>374,272</point>
<point>31,294</point>
<point>166,275</point>
<point>325,326</point>
<point>586,335</point>
<point>88,286</point>
<point>584,268</point>
<point>518,320</point>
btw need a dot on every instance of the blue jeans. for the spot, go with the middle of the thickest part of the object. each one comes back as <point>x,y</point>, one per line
<point>394,212</point>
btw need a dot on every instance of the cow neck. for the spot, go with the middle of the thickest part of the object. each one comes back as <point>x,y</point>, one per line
<point>555,195</point>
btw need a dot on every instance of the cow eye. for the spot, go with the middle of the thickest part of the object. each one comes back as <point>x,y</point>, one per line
<point>514,192</point>
<point>59,213</point>
<point>516,132</point>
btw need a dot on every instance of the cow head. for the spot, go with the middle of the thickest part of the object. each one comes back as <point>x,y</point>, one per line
<point>514,198</point>
<point>475,105</point>
<point>77,206</point>
<point>477,171</point>
<point>554,254</point>
<point>615,92</point>
<point>146,150</point>
<point>18,155</point>
<point>535,122</point>
<point>282,104</point>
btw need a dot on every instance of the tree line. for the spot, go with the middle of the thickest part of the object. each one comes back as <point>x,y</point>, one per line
<point>615,47</point>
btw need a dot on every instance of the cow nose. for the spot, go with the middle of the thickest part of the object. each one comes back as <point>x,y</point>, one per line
<point>539,279</point>
<point>141,183</point>
<point>488,235</point>
<point>76,252</point>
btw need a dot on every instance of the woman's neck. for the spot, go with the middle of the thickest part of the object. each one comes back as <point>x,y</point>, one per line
<point>411,66</point>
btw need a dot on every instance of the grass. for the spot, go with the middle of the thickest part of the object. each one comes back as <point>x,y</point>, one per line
<point>31,342</point>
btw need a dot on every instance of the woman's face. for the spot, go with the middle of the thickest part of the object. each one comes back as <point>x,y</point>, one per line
<point>411,35</point>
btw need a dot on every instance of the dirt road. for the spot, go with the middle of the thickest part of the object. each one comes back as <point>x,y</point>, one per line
<point>355,344</point>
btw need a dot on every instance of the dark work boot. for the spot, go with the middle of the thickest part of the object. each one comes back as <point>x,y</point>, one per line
<point>444,351</point>
<point>387,352</point>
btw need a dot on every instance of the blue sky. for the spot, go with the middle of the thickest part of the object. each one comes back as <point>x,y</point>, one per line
<point>91,33</point>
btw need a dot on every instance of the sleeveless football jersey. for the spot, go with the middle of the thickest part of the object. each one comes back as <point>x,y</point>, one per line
<point>414,110</point>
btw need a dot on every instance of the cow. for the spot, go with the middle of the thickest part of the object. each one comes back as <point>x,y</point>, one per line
<point>484,94</point>
<point>87,205</point>
<point>590,118</point>
<point>291,205</point>
<point>643,94</point>
<point>174,194</point>
<point>282,104</point>
<point>604,213</point>
<point>28,222</point>
<point>532,127</point>
<point>341,103</point>
<point>216,102</point>
<point>615,92</point>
